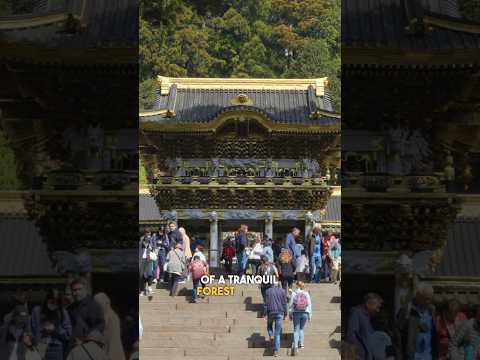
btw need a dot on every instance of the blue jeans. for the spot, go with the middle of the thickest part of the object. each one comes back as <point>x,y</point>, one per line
<point>326,270</point>
<point>299,320</point>
<point>196,284</point>
<point>277,319</point>
<point>242,260</point>
<point>161,261</point>
<point>315,267</point>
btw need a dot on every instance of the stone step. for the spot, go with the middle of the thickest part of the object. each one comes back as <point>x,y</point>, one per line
<point>248,289</point>
<point>239,330</point>
<point>242,356</point>
<point>228,337</point>
<point>230,327</point>
<point>235,322</point>
<point>222,307</point>
<point>312,341</point>
<point>243,321</point>
<point>245,353</point>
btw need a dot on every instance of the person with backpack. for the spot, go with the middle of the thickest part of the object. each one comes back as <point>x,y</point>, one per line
<point>197,268</point>
<point>300,310</point>
<point>286,267</point>
<point>176,266</point>
<point>266,268</point>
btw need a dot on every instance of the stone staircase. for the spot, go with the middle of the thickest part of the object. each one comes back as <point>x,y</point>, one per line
<point>231,328</point>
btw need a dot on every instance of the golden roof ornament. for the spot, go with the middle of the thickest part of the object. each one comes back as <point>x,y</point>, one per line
<point>241,99</point>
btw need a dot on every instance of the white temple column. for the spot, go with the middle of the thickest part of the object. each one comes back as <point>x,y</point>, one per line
<point>269,225</point>
<point>214,239</point>
<point>309,220</point>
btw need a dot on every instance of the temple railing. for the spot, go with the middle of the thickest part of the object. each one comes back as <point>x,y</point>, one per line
<point>88,181</point>
<point>258,181</point>
<point>383,182</point>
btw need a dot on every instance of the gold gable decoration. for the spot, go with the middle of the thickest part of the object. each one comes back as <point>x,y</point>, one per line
<point>241,99</point>
<point>165,84</point>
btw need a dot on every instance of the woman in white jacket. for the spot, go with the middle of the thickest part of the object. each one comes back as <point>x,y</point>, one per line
<point>255,255</point>
<point>299,310</point>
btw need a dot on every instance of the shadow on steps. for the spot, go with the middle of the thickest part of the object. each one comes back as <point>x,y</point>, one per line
<point>336,300</point>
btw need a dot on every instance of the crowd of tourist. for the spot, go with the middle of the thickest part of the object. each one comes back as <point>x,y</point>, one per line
<point>72,325</point>
<point>168,256</point>
<point>421,331</point>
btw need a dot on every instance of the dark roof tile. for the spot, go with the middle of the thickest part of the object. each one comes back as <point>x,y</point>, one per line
<point>282,106</point>
<point>23,251</point>
<point>382,24</point>
<point>460,257</point>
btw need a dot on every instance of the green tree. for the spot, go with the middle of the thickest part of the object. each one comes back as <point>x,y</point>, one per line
<point>239,38</point>
<point>142,174</point>
<point>148,91</point>
<point>8,166</point>
<point>316,60</point>
<point>470,9</point>
<point>5,8</point>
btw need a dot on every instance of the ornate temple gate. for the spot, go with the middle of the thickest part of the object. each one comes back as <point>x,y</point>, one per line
<point>70,118</point>
<point>227,151</point>
<point>410,133</point>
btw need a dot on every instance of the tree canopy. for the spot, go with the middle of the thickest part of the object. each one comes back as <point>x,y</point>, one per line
<point>470,9</point>
<point>239,38</point>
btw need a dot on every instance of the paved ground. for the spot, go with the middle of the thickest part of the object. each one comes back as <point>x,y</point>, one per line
<point>230,328</point>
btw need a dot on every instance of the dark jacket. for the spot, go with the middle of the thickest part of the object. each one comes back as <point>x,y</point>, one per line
<point>408,326</point>
<point>175,237</point>
<point>310,245</point>
<point>59,318</point>
<point>86,316</point>
<point>240,242</point>
<point>286,269</point>
<point>291,245</point>
<point>7,339</point>
<point>359,332</point>
<point>276,301</point>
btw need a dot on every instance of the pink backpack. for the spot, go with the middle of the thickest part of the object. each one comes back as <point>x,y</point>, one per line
<point>198,269</point>
<point>300,302</point>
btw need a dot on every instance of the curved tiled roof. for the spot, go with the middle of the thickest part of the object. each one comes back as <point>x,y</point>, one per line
<point>23,251</point>
<point>280,105</point>
<point>106,23</point>
<point>460,257</point>
<point>384,24</point>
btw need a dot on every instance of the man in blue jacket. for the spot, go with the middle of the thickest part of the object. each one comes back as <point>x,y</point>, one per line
<point>276,309</point>
<point>240,245</point>
<point>291,242</point>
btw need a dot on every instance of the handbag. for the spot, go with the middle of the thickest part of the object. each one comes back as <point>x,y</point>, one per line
<point>152,255</point>
<point>165,266</point>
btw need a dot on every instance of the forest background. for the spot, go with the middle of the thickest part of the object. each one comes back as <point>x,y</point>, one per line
<point>239,38</point>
